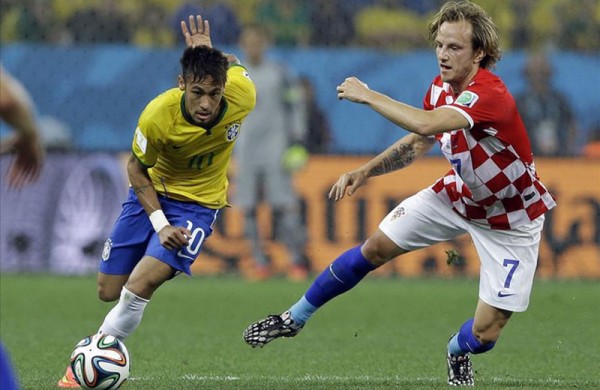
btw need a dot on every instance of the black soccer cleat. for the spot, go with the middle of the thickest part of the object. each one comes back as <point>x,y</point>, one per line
<point>460,370</point>
<point>274,326</point>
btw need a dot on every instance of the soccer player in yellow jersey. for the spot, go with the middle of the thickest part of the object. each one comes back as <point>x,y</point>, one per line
<point>181,149</point>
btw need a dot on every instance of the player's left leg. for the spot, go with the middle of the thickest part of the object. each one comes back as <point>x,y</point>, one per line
<point>477,335</point>
<point>508,263</point>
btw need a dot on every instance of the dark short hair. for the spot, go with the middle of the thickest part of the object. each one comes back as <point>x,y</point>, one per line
<point>201,61</point>
<point>485,33</point>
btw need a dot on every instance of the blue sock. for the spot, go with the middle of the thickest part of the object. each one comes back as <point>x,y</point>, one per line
<point>454,347</point>
<point>302,311</point>
<point>465,341</point>
<point>341,275</point>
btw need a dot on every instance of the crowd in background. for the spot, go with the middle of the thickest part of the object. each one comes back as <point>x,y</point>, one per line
<point>388,24</point>
<point>391,25</point>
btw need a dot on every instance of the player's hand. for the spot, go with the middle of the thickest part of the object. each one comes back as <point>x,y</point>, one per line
<point>354,90</point>
<point>347,184</point>
<point>28,162</point>
<point>174,237</point>
<point>198,33</point>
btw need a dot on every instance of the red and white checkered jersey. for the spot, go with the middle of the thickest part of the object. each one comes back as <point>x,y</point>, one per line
<point>493,179</point>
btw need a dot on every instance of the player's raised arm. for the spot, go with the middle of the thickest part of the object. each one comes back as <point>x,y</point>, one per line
<point>198,33</point>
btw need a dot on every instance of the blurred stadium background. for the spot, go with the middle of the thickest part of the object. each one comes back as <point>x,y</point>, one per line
<point>92,65</point>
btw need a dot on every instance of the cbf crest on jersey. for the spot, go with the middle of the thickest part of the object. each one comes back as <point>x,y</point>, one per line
<point>232,132</point>
<point>106,251</point>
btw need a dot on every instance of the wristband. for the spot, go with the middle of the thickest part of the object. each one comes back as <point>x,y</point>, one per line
<point>158,220</point>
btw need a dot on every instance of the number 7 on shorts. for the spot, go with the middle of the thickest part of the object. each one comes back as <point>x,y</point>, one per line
<point>513,264</point>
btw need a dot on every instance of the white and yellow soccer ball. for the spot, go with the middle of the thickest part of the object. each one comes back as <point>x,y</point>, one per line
<point>100,361</point>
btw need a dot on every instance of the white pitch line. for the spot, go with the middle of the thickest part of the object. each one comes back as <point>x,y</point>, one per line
<point>343,379</point>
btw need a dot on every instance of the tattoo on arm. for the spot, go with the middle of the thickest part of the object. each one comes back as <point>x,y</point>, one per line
<point>141,189</point>
<point>396,158</point>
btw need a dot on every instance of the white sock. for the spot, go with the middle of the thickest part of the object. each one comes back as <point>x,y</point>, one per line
<point>125,317</point>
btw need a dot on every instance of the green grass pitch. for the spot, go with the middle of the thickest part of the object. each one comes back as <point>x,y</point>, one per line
<point>386,333</point>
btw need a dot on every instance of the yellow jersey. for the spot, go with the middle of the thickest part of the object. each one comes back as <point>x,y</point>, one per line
<point>185,161</point>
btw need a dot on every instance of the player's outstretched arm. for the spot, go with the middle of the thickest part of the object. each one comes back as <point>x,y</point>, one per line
<point>400,155</point>
<point>198,33</point>
<point>415,120</point>
<point>16,108</point>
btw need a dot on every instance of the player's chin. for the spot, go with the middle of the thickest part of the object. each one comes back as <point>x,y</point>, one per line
<point>446,74</point>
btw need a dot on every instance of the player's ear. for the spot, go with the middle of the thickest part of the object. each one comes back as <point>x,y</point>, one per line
<point>479,56</point>
<point>181,82</point>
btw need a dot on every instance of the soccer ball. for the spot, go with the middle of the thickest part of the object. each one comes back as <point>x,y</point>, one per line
<point>100,361</point>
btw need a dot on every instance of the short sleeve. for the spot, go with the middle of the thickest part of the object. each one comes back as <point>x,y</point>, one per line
<point>145,140</point>
<point>240,88</point>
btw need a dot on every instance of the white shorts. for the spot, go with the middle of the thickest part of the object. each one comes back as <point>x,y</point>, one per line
<point>508,257</point>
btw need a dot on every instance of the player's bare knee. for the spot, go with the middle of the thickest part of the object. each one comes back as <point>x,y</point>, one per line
<point>374,254</point>
<point>106,294</point>
<point>143,288</point>
<point>379,249</point>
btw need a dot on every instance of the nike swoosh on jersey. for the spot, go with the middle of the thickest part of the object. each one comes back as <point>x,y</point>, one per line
<point>502,295</point>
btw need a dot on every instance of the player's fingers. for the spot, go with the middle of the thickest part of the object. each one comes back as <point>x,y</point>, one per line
<point>199,24</point>
<point>334,193</point>
<point>185,236</point>
<point>331,192</point>
<point>184,29</point>
<point>175,241</point>
<point>340,92</point>
<point>339,192</point>
<point>193,27</point>
<point>206,28</point>
<point>340,187</point>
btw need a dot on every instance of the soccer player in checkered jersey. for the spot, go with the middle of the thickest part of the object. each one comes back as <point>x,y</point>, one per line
<point>491,191</point>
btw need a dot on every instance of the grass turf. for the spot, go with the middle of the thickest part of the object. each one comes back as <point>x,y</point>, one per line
<point>386,333</point>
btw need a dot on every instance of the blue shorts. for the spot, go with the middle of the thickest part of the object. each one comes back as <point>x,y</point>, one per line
<point>133,237</point>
